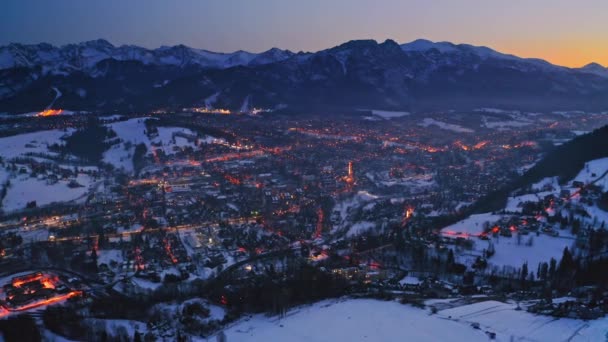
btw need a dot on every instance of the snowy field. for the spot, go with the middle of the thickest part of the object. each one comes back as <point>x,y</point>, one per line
<point>132,131</point>
<point>385,114</point>
<point>25,189</point>
<point>593,170</point>
<point>511,254</point>
<point>371,320</point>
<point>514,204</point>
<point>128,131</point>
<point>167,138</point>
<point>443,125</point>
<point>360,228</point>
<point>107,256</point>
<point>352,320</point>
<point>502,125</point>
<point>344,208</point>
<point>506,322</point>
<point>508,251</point>
<point>550,183</point>
<point>19,145</point>
<point>471,225</point>
<point>507,120</point>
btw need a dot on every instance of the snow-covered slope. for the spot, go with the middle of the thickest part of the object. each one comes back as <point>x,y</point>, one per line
<point>23,185</point>
<point>450,49</point>
<point>423,45</point>
<point>371,320</point>
<point>524,245</point>
<point>132,132</point>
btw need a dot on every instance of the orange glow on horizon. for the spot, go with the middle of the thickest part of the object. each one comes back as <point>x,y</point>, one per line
<point>572,53</point>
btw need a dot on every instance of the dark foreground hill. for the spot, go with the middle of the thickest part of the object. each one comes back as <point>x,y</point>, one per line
<point>564,161</point>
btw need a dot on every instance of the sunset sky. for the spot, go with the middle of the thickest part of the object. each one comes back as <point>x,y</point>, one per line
<point>565,32</point>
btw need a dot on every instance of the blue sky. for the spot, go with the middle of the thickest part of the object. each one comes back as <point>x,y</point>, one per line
<point>562,31</point>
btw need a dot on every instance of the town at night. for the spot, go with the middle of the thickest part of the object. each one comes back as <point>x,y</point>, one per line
<point>375,190</point>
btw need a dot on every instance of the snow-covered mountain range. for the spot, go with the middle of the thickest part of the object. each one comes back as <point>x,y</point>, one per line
<point>84,56</point>
<point>419,75</point>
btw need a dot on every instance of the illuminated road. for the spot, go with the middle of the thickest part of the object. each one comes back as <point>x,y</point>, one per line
<point>49,301</point>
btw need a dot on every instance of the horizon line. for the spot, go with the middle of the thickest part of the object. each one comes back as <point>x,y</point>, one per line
<point>377,41</point>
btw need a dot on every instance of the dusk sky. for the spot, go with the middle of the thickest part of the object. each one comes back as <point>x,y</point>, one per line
<point>565,32</point>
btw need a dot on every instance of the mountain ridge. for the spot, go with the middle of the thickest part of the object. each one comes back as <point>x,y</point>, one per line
<point>80,56</point>
<point>420,75</point>
<point>416,45</point>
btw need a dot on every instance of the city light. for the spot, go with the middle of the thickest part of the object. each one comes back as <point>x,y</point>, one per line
<point>50,112</point>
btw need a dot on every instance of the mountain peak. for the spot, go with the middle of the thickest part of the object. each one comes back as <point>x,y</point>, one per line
<point>390,42</point>
<point>275,50</point>
<point>593,65</point>
<point>595,69</point>
<point>422,45</point>
<point>357,43</point>
<point>366,44</point>
<point>100,43</point>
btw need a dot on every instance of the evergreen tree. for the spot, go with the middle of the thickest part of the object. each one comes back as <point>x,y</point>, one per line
<point>544,270</point>
<point>566,264</point>
<point>491,250</point>
<point>552,268</point>
<point>523,274</point>
<point>450,260</point>
<point>94,259</point>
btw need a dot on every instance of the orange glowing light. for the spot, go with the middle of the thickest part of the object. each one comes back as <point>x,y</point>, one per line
<point>459,234</point>
<point>233,180</point>
<point>432,149</point>
<point>480,145</point>
<point>170,252</point>
<point>18,282</point>
<point>409,212</point>
<point>50,112</point>
<point>47,284</point>
<point>407,215</point>
<point>462,146</point>
<point>523,144</point>
<point>319,228</point>
<point>211,111</point>
<point>50,301</point>
<point>350,177</point>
